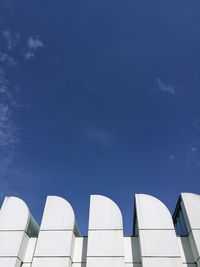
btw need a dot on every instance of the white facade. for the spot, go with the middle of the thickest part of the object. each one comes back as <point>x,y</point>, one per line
<point>158,240</point>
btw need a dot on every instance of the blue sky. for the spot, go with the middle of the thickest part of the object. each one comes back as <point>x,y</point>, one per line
<point>99,97</point>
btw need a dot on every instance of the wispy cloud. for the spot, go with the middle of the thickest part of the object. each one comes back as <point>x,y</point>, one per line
<point>9,138</point>
<point>28,55</point>
<point>4,83</point>
<point>7,60</point>
<point>169,89</point>
<point>12,39</point>
<point>7,129</point>
<point>8,134</point>
<point>33,43</point>
<point>99,135</point>
<point>7,3</point>
<point>193,155</point>
<point>172,157</point>
<point>11,171</point>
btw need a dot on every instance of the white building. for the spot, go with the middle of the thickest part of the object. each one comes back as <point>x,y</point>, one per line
<point>158,240</point>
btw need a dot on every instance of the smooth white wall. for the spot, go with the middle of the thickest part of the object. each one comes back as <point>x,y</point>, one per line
<point>158,242</point>
<point>59,243</point>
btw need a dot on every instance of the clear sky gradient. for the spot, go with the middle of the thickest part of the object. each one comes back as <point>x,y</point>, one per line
<point>99,97</point>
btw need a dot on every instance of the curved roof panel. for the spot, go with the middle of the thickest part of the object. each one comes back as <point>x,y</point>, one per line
<point>104,214</point>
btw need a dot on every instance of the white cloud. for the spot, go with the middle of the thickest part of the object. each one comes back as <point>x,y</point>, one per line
<point>34,42</point>
<point>4,86</point>
<point>5,92</point>
<point>8,104</point>
<point>8,131</point>
<point>11,39</point>
<point>165,88</point>
<point>99,135</point>
<point>10,169</point>
<point>3,83</point>
<point>28,55</point>
<point>172,157</point>
<point>193,156</point>
<point>7,60</point>
<point>7,3</point>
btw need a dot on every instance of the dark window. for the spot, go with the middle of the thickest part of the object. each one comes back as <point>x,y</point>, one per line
<point>179,223</point>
